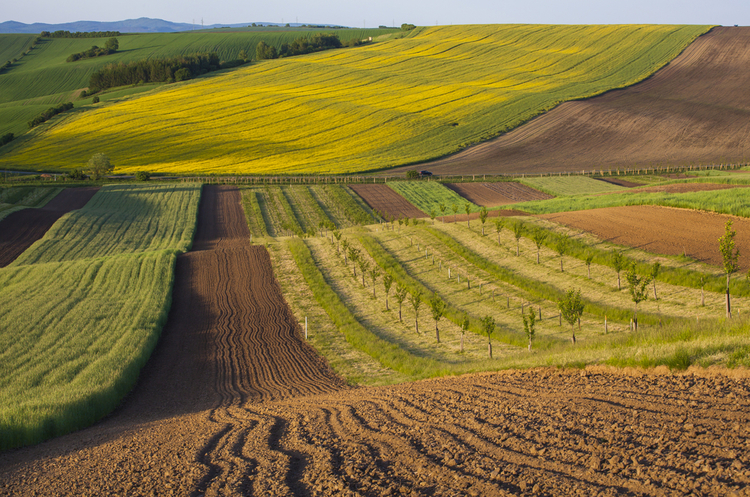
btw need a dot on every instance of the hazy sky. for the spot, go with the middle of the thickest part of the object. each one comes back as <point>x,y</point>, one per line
<point>387,12</point>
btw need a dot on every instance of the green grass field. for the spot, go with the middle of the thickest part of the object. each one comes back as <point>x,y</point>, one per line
<point>44,78</point>
<point>21,197</point>
<point>428,196</point>
<point>389,103</point>
<point>70,351</point>
<point>570,185</point>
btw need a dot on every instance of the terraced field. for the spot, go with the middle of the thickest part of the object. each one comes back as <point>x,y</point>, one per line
<point>346,110</point>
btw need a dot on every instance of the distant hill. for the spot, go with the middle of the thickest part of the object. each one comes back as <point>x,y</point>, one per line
<point>142,25</point>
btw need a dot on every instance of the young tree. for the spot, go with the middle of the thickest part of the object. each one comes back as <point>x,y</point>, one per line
<point>112,45</point>
<point>653,274</point>
<point>730,255</point>
<point>464,328</point>
<point>432,215</point>
<point>454,208</point>
<point>243,55</point>
<point>499,223</point>
<point>401,293</point>
<point>488,326</point>
<point>589,259</point>
<point>529,323</point>
<point>345,246</point>
<point>637,289</point>
<point>442,210</point>
<point>437,307</point>
<point>387,282</point>
<point>618,262</point>
<point>415,299</point>
<point>467,209</point>
<point>571,308</point>
<point>538,235</point>
<point>483,217</point>
<point>364,265</point>
<point>517,233</point>
<point>354,256</point>
<point>561,247</point>
<point>99,165</point>
<point>374,273</point>
<point>337,236</point>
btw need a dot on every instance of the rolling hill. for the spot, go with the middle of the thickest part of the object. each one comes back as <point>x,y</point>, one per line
<point>400,101</point>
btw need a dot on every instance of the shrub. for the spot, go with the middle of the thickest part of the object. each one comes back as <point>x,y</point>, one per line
<point>142,176</point>
<point>412,174</point>
<point>182,74</point>
<point>6,138</point>
<point>95,100</point>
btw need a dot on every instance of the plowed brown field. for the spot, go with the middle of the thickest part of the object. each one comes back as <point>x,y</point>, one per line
<point>383,199</point>
<point>694,110</point>
<point>234,403</point>
<point>661,230</point>
<point>494,194</point>
<point>20,229</point>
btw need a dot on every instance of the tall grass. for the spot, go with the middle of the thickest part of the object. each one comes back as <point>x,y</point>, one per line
<point>81,310</point>
<point>346,110</point>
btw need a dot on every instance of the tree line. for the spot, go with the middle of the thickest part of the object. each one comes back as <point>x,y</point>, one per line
<point>49,113</point>
<point>109,48</point>
<point>79,34</point>
<point>157,70</point>
<point>301,45</point>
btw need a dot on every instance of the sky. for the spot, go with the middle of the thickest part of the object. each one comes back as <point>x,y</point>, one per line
<point>387,12</point>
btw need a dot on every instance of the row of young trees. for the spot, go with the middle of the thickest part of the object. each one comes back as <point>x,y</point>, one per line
<point>300,46</point>
<point>79,34</point>
<point>110,47</point>
<point>49,113</point>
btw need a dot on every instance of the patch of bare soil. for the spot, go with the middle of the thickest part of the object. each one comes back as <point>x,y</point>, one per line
<point>20,229</point>
<point>687,187</point>
<point>495,194</point>
<point>383,199</point>
<point>694,110</point>
<point>661,230</point>
<point>235,403</point>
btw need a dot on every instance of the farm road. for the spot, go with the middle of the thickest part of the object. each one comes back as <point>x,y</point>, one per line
<point>20,229</point>
<point>234,403</point>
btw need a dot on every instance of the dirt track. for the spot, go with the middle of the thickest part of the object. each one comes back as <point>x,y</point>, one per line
<point>20,229</point>
<point>694,110</point>
<point>669,231</point>
<point>233,403</point>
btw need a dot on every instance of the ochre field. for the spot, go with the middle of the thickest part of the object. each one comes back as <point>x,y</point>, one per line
<point>390,103</point>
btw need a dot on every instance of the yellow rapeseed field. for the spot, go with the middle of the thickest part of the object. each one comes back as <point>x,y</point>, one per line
<point>386,104</point>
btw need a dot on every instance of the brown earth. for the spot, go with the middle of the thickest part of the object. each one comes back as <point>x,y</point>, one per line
<point>694,110</point>
<point>661,230</point>
<point>383,199</point>
<point>685,188</point>
<point>234,403</point>
<point>495,194</point>
<point>620,182</point>
<point>20,229</point>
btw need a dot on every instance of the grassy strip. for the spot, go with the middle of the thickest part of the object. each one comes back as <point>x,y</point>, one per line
<point>386,353</point>
<point>570,185</point>
<point>355,210</point>
<point>253,213</point>
<point>536,288</point>
<point>427,196</point>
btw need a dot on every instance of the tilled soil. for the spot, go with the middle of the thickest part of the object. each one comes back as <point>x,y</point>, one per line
<point>235,403</point>
<point>694,110</point>
<point>495,194</point>
<point>383,199</point>
<point>661,230</point>
<point>20,229</point>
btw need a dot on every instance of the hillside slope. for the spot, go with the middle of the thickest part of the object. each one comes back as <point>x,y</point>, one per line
<point>383,105</point>
<point>695,110</point>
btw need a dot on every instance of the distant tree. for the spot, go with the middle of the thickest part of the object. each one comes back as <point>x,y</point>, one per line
<point>142,176</point>
<point>637,286</point>
<point>264,51</point>
<point>499,223</point>
<point>730,256</point>
<point>538,236</point>
<point>407,27</point>
<point>412,174</point>
<point>182,74</point>
<point>518,230</point>
<point>464,328</point>
<point>483,217</point>
<point>243,55</point>
<point>99,165</point>
<point>437,306</point>
<point>571,307</point>
<point>488,326</point>
<point>529,323</point>
<point>454,208</point>
<point>653,274</point>
<point>345,246</point>
<point>337,236</point>
<point>112,44</point>
<point>618,262</point>
<point>415,299</point>
<point>589,259</point>
<point>364,266</point>
<point>354,255</point>
<point>432,215</point>
<point>467,209</point>
<point>442,210</point>
<point>95,100</point>
<point>374,273</point>
<point>387,283</point>
<point>401,293</point>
